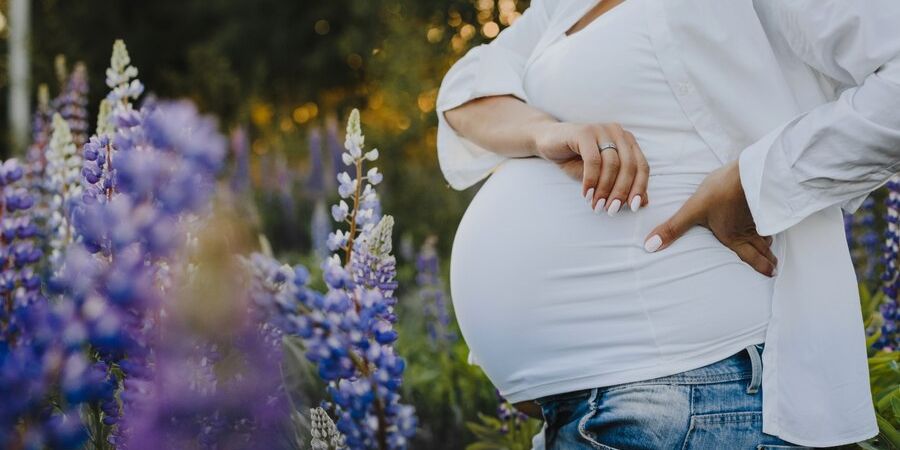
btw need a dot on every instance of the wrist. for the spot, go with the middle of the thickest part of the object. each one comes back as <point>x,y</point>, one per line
<point>538,134</point>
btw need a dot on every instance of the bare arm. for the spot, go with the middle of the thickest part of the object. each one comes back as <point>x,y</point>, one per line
<point>513,136</point>
<point>509,127</point>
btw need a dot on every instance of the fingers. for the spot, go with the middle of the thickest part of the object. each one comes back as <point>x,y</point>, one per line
<point>574,168</point>
<point>612,179</point>
<point>763,247</point>
<point>618,196</point>
<point>750,254</point>
<point>638,195</point>
<point>587,148</point>
<point>666,233</point>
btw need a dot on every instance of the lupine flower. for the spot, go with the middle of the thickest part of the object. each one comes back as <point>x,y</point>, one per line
<point>364,388</point>
<point>320,229</point>
<point>348,331</point>
<point>334,147</point>
<point>431,292</point>
<point>40,135</point>
<point>130,223</point>
<point>325,435</point>
<point>19,284</point>
<point>40,344</point>
<point>121,77</point>
<point>509,416</point>
<point>863,239</point>
<point>240,146</point>
<point>62,186</point>
<point>891,275</point>
<point>72,104</point>
<point>315,179</point>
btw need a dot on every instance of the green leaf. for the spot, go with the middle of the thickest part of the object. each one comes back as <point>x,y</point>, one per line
<point>887,432</point>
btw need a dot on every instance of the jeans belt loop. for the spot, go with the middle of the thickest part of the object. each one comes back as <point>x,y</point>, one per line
<point>756,363</point>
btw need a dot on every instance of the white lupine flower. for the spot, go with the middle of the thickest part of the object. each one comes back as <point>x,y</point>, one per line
<point>121,77</point>
<point>62,183</point>
<point>120,69</point>
<point>364,215</point>
<point>355,139</point>
<point>340,211</point>
<point>337,239</point>
<point>374,176</point>
<point>372,155</point>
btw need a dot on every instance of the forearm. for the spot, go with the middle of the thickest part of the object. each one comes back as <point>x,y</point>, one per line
<point>831,155</point>
<point>502,124</point>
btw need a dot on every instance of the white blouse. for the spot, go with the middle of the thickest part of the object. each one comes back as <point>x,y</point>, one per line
<point>804,92</point>
<point>553,297</point>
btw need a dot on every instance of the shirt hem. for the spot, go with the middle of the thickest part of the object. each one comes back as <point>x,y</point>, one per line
<point>630,375</point>
<point>850,439</point>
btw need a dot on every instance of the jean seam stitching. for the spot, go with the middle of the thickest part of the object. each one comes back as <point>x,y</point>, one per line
<point>592,409</point>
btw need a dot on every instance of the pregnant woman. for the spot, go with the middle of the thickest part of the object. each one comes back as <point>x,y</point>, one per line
<point>597,122</point>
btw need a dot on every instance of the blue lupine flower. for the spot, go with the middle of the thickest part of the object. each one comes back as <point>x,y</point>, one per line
<point>72,104</point>
<point>348,331</point>
<point>891,274</point>
<point>432,294</point>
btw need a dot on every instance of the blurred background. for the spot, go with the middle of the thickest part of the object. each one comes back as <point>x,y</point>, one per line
<point>286,73</point>
<point>282,76</point>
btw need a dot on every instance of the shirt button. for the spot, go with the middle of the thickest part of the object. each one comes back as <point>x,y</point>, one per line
<point>684,88</point>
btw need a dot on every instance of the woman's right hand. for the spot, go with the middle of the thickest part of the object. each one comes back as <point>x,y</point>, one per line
<point>610,178</point>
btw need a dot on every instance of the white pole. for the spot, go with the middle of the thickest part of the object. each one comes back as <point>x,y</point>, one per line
<point>19,73</point>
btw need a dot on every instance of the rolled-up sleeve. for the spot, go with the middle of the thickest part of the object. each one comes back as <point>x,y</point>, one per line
<point>838,152</point>
<point>487,70</point>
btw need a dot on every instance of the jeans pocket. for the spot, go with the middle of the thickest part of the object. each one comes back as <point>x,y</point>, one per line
<point>587,436</point>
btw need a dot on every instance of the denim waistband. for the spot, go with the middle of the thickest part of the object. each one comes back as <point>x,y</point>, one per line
<point>743,365</point>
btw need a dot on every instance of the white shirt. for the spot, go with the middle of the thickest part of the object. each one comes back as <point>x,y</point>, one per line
<point>804,92</point>
<point>552,297</point>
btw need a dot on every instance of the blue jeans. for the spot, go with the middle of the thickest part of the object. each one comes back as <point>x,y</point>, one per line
<point>718,406</point>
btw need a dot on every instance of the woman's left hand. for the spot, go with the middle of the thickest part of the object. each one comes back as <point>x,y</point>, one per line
<point>719,204</point>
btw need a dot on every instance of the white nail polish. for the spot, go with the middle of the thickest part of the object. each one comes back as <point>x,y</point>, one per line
<point>614,207</point>
<point>636,203</point>
<point>600,205</point>
<point>653,243</point>
<point>589,196</point>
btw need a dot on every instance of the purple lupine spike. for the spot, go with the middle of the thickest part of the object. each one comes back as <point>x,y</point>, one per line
<point>891,275</point>
<point>71,104</point>
<point>40,135</point>
<point>335,149</point>
<point>240,146</point>
<point>432,294</point>
<point>348,330</point>
<point>315,179</point>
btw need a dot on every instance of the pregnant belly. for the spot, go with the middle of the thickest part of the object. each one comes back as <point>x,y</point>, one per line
<point>538,279</point>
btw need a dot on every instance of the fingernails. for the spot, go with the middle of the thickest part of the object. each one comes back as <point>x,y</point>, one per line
<point>775,272</point>
<point>653,243</point>
<point>600,205</point>
<point>614,207</point>
<point>589,196</point>
<point>635,203</point>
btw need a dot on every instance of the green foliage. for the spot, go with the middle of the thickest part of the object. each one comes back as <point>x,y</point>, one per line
<point>494,434</point>
<point>884,372</point>
<point>444,388</point>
